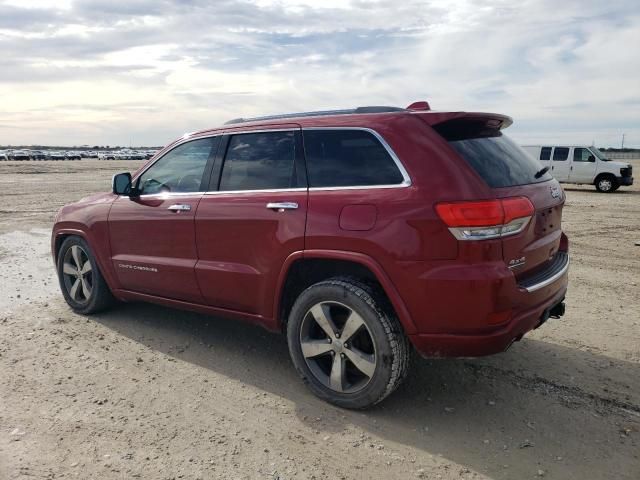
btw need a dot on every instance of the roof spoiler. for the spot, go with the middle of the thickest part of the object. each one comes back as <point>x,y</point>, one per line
<point>495,121</point>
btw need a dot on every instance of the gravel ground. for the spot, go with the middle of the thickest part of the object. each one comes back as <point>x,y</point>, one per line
<point>148,392</point>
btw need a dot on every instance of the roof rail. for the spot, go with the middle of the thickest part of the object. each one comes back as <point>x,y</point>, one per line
<point>321,113</point>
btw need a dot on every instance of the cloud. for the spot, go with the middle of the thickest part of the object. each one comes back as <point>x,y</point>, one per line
<point>563,70</point>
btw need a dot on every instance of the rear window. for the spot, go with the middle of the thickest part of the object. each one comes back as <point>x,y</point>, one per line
<point>348,158</point>
<point>494,156</point>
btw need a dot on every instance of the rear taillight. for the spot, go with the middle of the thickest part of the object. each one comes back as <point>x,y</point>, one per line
<point>482,220</point>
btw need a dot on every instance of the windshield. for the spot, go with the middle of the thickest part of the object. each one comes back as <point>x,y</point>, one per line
<point>599,154</point>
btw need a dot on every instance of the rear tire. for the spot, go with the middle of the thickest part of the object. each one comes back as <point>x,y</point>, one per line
<point>346,344</point>
<point>82,284</point>
<point>606,184</point>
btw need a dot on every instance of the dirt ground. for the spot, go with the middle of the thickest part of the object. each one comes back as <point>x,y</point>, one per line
<point>148,392</point>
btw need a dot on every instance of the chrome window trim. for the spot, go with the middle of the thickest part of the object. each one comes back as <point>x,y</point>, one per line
<point>264,190</point>
<point>360,187</point>
<point>405,175</point>
<point>406,182</point>
<point>237,132</point>
<point>169,195</point>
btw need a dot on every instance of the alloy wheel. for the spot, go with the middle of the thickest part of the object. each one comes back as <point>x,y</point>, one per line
<point>338,347</point>
<point>77,274</point>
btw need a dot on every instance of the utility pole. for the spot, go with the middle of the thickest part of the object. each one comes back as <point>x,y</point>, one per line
<point>622,146</point>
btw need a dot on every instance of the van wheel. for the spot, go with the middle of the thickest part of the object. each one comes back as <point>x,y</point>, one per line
<point>348,348</point>
<point>606,184</point>
<point>81,282</point>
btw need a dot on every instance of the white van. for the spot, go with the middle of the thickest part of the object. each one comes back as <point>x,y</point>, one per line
<point>582,165</point>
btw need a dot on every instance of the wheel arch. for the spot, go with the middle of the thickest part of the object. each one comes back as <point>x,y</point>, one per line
<point>302,269</point>
<point>61,234</point>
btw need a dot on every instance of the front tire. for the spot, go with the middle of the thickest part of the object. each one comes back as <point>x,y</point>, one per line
<point>346,344</point>
<point>606,184</point>
<point>82,284</point>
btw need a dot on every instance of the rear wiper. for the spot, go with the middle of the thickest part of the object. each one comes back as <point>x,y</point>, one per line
<point>541,172</point>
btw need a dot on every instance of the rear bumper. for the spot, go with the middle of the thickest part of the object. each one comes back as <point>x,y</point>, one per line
<point>478,345</point>
<point>529,304</point>
<point>625,181</point>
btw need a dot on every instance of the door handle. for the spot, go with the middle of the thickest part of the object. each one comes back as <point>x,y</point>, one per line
<point>180,207</point>
<point>282,206</point>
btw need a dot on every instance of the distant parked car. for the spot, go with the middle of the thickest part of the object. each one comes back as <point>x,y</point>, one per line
<point>71,155</point>
<point>3,156</point>
<point>106,156</point>
<point>55,155</point>
<point>37,155</point>
<point>19,155</point>
<point>131,155</point>
<point>580,164</point>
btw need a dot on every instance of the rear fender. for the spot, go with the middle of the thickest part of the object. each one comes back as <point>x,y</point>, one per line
<point>364,260</point>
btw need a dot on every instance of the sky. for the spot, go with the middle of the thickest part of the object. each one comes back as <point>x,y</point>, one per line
<point>143,72</point>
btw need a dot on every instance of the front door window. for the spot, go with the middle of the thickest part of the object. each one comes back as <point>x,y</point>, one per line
<point>180,170</point>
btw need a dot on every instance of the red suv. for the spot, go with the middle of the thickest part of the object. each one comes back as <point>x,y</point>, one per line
<point>359,233</point>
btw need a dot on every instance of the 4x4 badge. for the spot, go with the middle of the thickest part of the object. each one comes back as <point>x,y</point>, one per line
<point>555,192</point>
<point>517,262</point>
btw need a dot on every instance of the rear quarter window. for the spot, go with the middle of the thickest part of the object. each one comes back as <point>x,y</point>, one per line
<point>348,158</point>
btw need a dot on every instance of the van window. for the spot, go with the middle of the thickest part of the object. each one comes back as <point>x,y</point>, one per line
<point>545,153</point>
<point>494,156</point>
<point>258,161</point>
<point>582,155</point>
<point>560,154</point>
<point>348,158</point>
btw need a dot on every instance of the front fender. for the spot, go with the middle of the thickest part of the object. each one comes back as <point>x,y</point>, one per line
<point>88,219</point>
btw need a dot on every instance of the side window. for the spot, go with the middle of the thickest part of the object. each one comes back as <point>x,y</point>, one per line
<point>560,153</point>
<point>545,153</point>
<point>582,155</point>
<point>180,170</point>
<point>257,161</point>
<point>348,158</point>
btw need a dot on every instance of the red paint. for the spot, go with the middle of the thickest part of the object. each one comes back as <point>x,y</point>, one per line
<point>242,246</point>
<point>230,255</point>
<point>143,232</point>
<point>358,218</point>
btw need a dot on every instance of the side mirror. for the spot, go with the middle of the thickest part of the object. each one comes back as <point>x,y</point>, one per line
<point>591,158</point>
<point>121,183</point>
